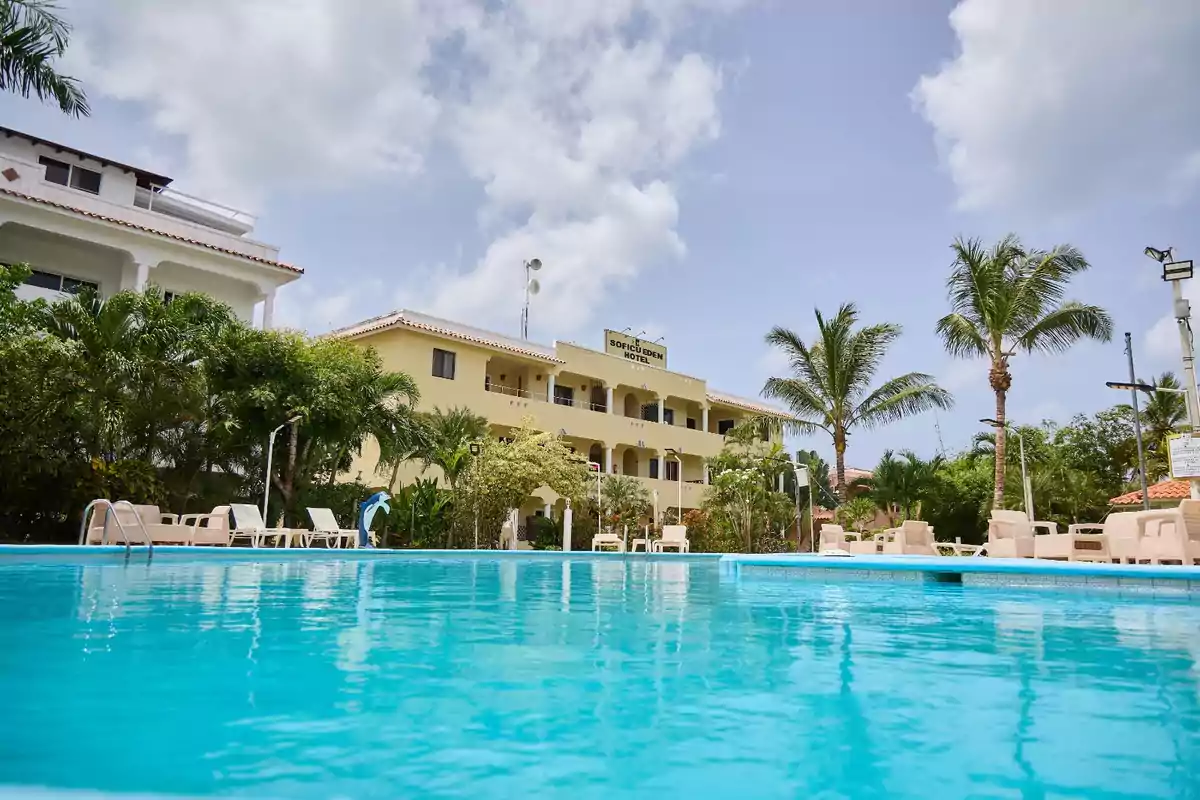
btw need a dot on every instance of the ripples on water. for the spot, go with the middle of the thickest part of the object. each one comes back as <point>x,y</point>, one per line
<point>607,678</point>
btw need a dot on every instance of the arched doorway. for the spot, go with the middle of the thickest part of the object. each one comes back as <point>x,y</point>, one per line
<point>632,407</point>
<point>629,462</point>
<point>596,455</point>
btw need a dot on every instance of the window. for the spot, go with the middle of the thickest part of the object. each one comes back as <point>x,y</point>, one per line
<point>672,470</point>
<point>58,283</point>
<point>654,468</point>
<point>650,412</point>
<point>724,426</point>
<point>168,297</point>
<point>691,423</point>
<point>443,364</point>
<point>56,171</point>
<point>85,180</point>
<point>73,175</point>
<point>564,395</point>
<point>669,416</point>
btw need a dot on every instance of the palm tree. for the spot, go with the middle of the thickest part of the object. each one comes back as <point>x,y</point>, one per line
<point>450,435</point>
<point>1165,414</point>
<point>32,36</point>
<point>900,485</point>
<point>829,389</point>
<point>1008,299</point>
<point>625,497</point>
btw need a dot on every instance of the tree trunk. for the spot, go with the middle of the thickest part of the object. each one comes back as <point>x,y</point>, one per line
<point>1001,381</point>
<point>1001,448</point>
<point>839,450</point>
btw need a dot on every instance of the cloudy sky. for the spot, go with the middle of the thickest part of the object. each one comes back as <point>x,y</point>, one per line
<point>699,169</point>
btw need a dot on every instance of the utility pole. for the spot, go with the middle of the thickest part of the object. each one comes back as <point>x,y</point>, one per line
<point>1137,424</point>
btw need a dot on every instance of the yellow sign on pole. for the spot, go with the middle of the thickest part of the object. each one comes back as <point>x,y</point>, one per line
<point>633,349</point>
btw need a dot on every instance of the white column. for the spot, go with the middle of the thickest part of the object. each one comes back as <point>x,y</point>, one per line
<point>608,390</point>
<point>546,511</point>
<point>608,460</point>
<point>662,404</point>
<point>780,482</point>
<point>550,389</point>
<point>705,470</point>
<point>704,420</point>
<point>566,542</point>
<point>268,318</point>
<point>141,272</point>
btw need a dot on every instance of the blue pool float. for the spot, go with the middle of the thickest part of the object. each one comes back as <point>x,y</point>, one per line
<point>366,512</point>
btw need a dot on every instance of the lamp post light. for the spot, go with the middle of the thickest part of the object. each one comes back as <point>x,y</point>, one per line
<point>1025,484</point>
<point>675,454</point>
<point>270,452</point>
<point>1175,273</point>
<point>532,287</point>
<point>595,467</point>
<point>475,448</point>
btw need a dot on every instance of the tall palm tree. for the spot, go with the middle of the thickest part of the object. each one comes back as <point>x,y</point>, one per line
<point>32,36</point>
<point>1009,299</point>
<point>829,389</point>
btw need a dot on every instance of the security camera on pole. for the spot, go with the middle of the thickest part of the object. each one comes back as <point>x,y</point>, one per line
<point>1175,272</point>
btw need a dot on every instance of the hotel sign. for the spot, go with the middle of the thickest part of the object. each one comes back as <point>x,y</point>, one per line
<point>636,350</point>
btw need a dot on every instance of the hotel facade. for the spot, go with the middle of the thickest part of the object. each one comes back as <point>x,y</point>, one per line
<point>621,406</point>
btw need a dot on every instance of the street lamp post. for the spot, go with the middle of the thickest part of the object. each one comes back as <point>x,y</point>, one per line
<point>270,452</point>
<point>1175,273</point>
<point>595,467</point>
<point>1026,486</point>
<point>673,453</point>
<point>801,471</point>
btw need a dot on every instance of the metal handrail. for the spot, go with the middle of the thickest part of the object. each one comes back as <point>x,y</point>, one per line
<point>90,509</point>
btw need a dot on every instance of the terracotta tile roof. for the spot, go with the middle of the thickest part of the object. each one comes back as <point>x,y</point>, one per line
<point>746,404</point>
<point>441,327</point>
<point>822,513</point>
<point>1163,490</point>
<point>144,229</point>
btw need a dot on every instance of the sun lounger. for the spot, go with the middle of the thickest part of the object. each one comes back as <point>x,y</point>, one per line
<point>605,541</point>
<point>249,525</point>
<point>673,536</point>
<point>326,528</point>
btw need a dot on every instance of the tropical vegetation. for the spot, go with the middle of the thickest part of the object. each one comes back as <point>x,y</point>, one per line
<point>32,38</point>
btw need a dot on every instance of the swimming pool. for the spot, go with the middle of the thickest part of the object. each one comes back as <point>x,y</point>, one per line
<point>581,677</point>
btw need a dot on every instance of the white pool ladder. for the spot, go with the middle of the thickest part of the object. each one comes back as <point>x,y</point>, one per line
<point>90,511</point>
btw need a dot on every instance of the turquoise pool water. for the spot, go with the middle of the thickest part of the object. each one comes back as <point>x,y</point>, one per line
<point>581,678</point>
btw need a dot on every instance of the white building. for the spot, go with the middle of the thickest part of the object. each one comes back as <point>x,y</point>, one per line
<point>79,219</point>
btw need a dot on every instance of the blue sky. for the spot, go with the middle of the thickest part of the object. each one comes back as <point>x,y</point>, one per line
<point>700,169</point>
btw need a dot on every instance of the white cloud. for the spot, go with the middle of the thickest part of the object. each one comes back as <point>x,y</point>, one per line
<point>1057,105</point>
<point>961,374</point>
<point>571,115</point>
<point>303,307</point>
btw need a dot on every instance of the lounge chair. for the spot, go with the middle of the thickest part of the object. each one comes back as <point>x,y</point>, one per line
<point>913,538</point>
<point>673,536</point>
<point>326,528</point>
<point>249,525</point>
<point>604,541</point>
<point>208,529</point>
<point>139,523</point>
<point>861,543</point>
<point>1011,533</point>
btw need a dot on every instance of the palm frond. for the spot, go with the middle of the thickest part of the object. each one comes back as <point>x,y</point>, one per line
<point>901,397</point>
<point>1058,330</point>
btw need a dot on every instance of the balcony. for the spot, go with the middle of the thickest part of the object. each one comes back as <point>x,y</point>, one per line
<point>174,214</point>
<point>172,203</point>
<point>582,419</point>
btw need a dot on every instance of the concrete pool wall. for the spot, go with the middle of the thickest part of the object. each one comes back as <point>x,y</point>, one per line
<point>970,572</point>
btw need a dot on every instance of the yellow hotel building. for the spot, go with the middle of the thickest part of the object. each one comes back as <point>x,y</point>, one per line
<point>622,408</point>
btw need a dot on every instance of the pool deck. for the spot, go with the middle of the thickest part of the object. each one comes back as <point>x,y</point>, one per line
<point>968,571</point>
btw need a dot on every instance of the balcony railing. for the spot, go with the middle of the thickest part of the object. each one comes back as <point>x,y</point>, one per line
<point>174,203</point>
